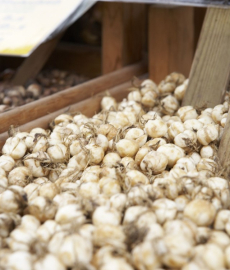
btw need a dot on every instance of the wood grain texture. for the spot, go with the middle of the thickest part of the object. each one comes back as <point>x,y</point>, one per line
<point>88,107</point>
<point>34,63</point>
<point>199,15</point>
<point>223,151</point>
<point>171,41</point>
<point>44,106</point>
<point>81,59</point>
<point>122,35</point>
<point>209,76</point>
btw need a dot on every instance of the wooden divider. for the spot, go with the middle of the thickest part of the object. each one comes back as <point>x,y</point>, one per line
<point>224,151</point>
<point>123,34</point>
<point>35,62</point>
<point>170,40</point>
<point>88,107</point>
<point>44,106</point>
<point>209,76</point>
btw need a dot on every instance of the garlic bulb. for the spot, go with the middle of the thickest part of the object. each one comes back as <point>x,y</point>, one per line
<point>48,190</point>
<point>109,186</point>
<point>193,125</point>
<point>33,163</point>
<point>108,103</point>
<point>57,153</point>
<point>111,159</point>
<point>127,148</point>
<point>132,213</point>
<point>135,177</point>
<point>144,256</point>
<point>186,113</point>
<point>47,230</point>
<point>8,221</point>
<point>166,87</point>
<point>48,260</point>
<point>149,98</point>
<point>69,214</point>
<point>21,239</point>
<point>186,139</point>
<point>156,128</point>
<point>14,147</point>
<point>180,91</point>
<point>7,163</point>
<point>42,208</point>
<point>109,235</point>
<point>19,260</point>
<point>155,162</point>
<point>137,196</point>
<point>174,129</point>
<point>73,249</point>
<point>13,200</point>
<point>118,201</point>
<point>169,105</point>
<point>207,134</point>
<point>96,153</point>
<point>165,209</point>
<point>172,152</point>
<point>200,212</point>
<point>105,215</point>
<point>134,95</point>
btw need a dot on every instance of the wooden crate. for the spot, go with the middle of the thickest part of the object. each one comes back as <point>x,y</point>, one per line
<point>167,35</point>
<point>81,59</point>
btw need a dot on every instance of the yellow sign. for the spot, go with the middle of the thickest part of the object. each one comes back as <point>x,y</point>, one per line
<point>25,24</point>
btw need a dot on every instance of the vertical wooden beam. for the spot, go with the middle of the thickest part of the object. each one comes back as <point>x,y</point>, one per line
<point>209,76</point>
<point>199,15</point>
<point>171,41</point>
<point>123,34</point>
<point>34,63</point>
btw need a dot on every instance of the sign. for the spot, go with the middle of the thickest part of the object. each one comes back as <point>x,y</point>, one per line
<point>25,24</point>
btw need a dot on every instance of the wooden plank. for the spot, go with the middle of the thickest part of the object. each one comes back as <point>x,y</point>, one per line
<point>223,151</point>
<point>118,92</point>
<point>76,58</point>
<point>171,41</point>
<point>122,35</point>
<point>66,56</point>
<point>36,109</point>
<point>34,63</point>
<point>209,75</point>
<point>134,31</point>
<point>199,15</point>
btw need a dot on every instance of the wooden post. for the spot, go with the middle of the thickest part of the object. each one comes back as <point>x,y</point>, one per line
<point>171,41</point>
<point>34,63</point>
<point>223,151</point>
<point>123,35</point>
<point>209,76</point>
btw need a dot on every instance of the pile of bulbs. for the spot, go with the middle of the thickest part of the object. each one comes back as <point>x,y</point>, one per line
<point>136,187</point>
<point>46,83</point>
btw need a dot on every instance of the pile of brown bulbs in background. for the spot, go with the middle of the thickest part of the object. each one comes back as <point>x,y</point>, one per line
<point>46,83</point>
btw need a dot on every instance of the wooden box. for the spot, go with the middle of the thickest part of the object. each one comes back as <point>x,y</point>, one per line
<point>159,39</point>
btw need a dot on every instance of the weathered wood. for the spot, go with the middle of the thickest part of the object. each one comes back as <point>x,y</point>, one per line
<point>122,35</point>
<point>199,15</point>
<point>66,56</point>
<point>171,41</point>
<point>81,59</point>
<point>34,63</point>
<point>210,71</point>
<point>88,107</point>
<point>223,151</point>
<point>44,106</point>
